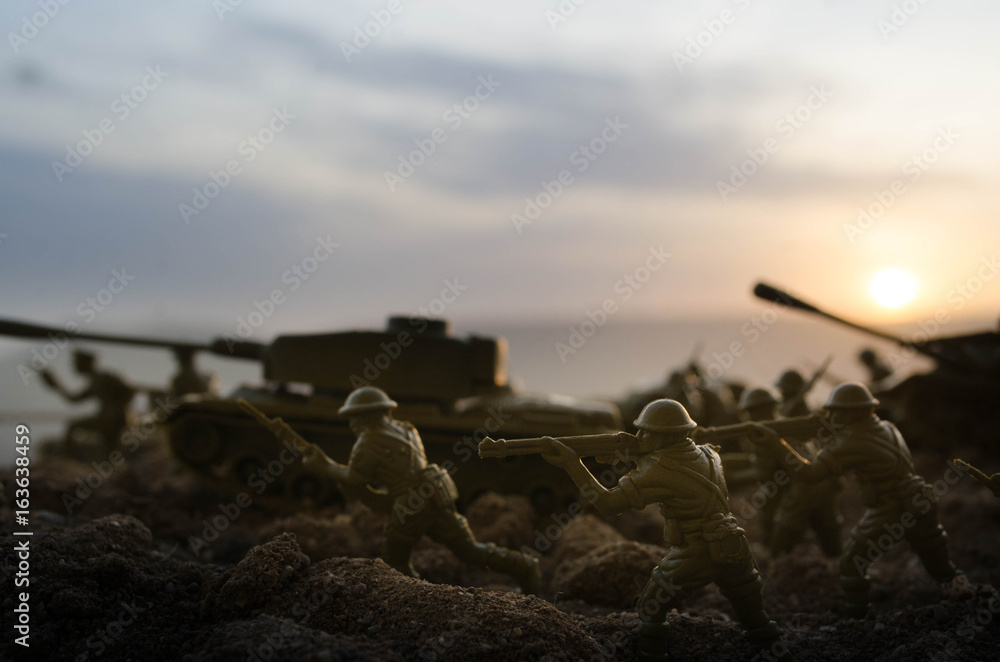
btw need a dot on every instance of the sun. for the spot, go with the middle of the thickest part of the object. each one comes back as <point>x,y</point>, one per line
<point>893,287</point>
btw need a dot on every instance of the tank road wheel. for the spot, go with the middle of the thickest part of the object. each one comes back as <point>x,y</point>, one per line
<point>196,442</point>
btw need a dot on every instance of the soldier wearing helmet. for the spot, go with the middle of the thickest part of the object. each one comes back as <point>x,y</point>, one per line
<point>389,458</point>
<point>111,391</point>
<point>796,505</point>
<point>791,385</point>
<point>707,545</point>
<point>878,371</point>
<point>760,404</point>
<point>900,505</point>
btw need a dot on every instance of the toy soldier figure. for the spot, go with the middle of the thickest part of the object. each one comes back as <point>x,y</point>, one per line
<point>110,390</point>
<point>878,371</point>
<point>707,546</point>
<point>389,457</point>
<point>791,385</point>
<point>899,502</point>
<point>798,504</point>
<point>760,404</point>
<point>188,380</point>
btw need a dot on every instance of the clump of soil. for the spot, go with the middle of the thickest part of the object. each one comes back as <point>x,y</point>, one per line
<point>623,568</point>
<point>582,536</point>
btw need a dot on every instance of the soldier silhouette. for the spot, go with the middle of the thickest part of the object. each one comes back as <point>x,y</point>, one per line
<point>113,394</point>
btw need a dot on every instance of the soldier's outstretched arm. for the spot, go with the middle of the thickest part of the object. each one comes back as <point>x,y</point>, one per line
<point>608,502</point>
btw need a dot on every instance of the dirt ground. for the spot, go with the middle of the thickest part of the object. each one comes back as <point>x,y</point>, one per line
<point>145,563</point>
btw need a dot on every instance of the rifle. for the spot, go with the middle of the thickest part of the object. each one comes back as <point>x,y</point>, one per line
<point>992,482</point>
<point>808,386</point>
<point>585,445</point>
<point>278,427</point>
<point>377,500</point>
<point>607,445</point>
<point>798,428</point>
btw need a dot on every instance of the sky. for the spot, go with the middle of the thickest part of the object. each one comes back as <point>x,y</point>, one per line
<point>491,162</point>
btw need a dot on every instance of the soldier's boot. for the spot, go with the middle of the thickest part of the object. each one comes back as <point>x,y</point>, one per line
<point>748,604</point>
<point>855,596</point>
<point>522,567</point>
<point>932,548</point>
<point>397,553</point>
<point>653,642</point>
<point>761,630</point>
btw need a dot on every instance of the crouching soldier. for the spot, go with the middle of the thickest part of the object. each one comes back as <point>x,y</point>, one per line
<point>707,546</point>
<point>388,471</point>
<point>900,505</point>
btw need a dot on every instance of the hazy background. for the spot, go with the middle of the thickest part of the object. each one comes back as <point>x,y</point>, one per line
<point>887,95</point>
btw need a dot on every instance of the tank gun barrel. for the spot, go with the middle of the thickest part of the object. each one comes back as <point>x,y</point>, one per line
<point>226,347</point>
<point>775,295</point>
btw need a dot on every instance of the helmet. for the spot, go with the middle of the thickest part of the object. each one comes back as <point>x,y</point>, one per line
<point>366,399</point>
<point>756,397</point>
<point>664,416</point>
<point>83,358</point>
<point>791,381</point>
<point>850,395</point>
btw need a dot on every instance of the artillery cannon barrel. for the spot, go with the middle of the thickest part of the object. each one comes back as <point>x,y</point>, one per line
<point>239,349</point>
<point>775,295</point>
<point>586,445</point>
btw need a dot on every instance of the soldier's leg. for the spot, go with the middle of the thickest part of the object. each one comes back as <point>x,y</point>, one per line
<point>859,553</point>
<point>929,540</point>
<point>790,522</point>
<point>668,585</point>
<point>401,535</point>
<point>742,585</point>
<point>452,530</point>
<point>768,514</point>
<point>111,433</point>
<point>825,520</point>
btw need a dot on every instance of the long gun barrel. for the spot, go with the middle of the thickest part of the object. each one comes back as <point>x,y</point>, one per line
<point>798,428</point>
<point>227,347</point>
<point>935,349</point>
<point>587,445</point>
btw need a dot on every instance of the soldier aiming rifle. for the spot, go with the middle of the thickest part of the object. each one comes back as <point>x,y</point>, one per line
<point>685,479</point>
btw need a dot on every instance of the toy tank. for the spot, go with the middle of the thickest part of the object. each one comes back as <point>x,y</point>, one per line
<point>957,402</point>
<point>454,390</point>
